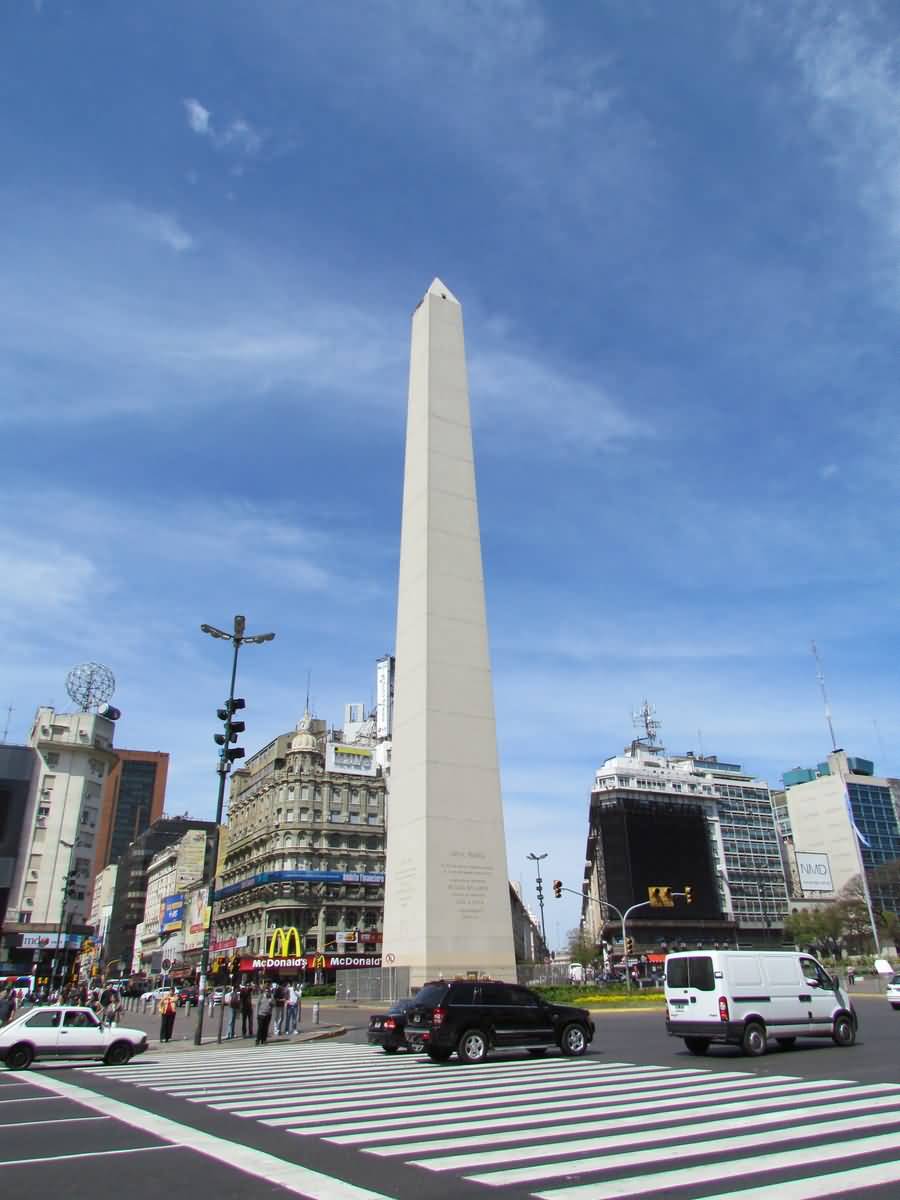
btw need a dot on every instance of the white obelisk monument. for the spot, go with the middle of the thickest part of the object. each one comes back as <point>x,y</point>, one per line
<point>446,904</point>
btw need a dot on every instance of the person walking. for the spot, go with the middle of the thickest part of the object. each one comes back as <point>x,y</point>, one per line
<point>233,999</point>
<point>167,1015</point>
<point>113,1010</point>
<point>279,996</point>
<point>7,1006</point>
<point>246,998</point>
<point>291,1002</point>
<point>851,976</point>
<point>263,1016</point>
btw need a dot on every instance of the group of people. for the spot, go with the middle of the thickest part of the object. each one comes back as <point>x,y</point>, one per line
<point>277,1006</point>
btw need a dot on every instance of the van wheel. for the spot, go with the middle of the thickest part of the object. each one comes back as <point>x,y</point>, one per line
<point>787,1043</point>
<point>19,1058</point>
<point>472,1046</point>
<point>573,1042</point>
<point>390,1049</point>
<point>697,1045</point>
<point>843,1033</point>
<point>753,1043</point>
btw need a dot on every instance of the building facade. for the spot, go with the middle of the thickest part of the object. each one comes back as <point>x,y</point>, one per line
<point>170,872</point>
<point>17,766</point>
<point>129,900</point>
<point>843,811</point>
<point>683,821</point>
<point>53,877</point>
<point>305,843</point>
<point>133,798</point>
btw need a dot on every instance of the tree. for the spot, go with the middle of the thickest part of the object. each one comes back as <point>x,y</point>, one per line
<point>581,949</point>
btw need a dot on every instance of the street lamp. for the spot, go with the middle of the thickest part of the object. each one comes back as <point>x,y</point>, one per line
<point>237,638</point>
<point>536,859</point>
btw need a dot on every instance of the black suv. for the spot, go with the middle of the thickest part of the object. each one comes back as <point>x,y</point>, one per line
<point>474,1017</point>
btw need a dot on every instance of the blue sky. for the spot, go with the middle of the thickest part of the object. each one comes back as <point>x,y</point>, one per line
<point>674,233</point>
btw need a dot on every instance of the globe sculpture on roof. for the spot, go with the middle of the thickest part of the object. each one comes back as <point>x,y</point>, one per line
<point>90,685</point>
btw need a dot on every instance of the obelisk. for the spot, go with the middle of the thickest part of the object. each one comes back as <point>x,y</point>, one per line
<point>446,906</point>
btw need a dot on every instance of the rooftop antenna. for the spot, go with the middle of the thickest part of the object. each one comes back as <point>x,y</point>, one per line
<point>9,713</point>
<point>645,719</point>
<point>821,678</point>
<point>308,678</point>
<point>700,742</point>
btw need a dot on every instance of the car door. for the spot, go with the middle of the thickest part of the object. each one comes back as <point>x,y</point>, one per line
<point>81,1035</point>
<point>818,994</point>
<point>43,1027</point>
<point>528,1017</point>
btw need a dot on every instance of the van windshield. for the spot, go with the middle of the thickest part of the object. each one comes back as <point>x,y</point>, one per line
<point>694,972</point>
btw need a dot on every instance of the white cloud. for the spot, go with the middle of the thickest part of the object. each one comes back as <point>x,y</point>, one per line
<point>239,136</point>
<point>161,227</point>
<point>197,116</point>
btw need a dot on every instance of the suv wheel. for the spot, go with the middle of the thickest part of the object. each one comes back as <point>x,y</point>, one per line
<point>438,1053</point>
<point>20,1058</point>
<point>473,1046</point>
<point>843,1034</point>
<point>573,1041</point>
<point>753,1043</point>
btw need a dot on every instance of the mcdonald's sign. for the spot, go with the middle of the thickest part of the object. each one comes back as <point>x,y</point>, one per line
<point>281,940</point>
<point>319,963</point>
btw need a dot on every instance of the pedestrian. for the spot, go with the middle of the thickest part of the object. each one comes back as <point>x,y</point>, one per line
<point>246,995</point>
<point>113,1009</point>
<point>263,1017</point>
<point>279,997</point>
<point>7,1006</point>
<point>291,1001</point>
<point>234,1007</point>
<point>851,976</point>
<point>167,1015</point>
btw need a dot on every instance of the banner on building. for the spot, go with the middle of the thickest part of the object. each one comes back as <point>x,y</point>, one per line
<point>49,941</point>
<point>814,871</point>
<point>171,915</point>
<point>311,962</point>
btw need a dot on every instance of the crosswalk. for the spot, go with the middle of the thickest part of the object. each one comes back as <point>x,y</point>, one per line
<point>560,1129</point>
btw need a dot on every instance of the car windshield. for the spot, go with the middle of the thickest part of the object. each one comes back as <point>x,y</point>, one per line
<point>896,980</point>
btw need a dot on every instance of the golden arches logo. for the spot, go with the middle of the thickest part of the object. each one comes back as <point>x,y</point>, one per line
<point>280,943</point>
<point>319,962</point>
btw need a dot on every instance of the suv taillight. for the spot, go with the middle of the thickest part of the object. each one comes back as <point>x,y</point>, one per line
<point>390,1023</point>
<point>723,1009</point>
<point>437,1017</point>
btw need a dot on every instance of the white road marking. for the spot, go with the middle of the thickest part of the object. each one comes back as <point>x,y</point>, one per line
<point>21,1162</point>
<point>736,1168</point>
<point>834,1184</point>
<point>666,1154</point>
<point>53,1121</point>
<point>302,1181</point>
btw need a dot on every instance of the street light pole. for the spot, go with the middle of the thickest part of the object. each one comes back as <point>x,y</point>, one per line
<point>237,639</point>
<point>536,859</point>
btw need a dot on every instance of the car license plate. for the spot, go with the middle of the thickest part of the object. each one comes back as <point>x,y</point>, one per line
<point>376,1024</point>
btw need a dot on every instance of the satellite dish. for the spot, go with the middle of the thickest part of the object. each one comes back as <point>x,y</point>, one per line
<point>90,685</point>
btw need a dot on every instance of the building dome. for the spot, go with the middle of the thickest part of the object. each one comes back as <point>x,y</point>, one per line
<point>304,738</point>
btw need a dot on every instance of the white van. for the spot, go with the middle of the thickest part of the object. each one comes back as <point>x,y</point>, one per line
<point>744,997</point>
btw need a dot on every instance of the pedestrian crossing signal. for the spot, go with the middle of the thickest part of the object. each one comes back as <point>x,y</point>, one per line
<point>660,897</point>
<point>557,888</point>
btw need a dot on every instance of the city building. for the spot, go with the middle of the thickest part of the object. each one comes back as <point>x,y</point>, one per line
<point>306,839</point>
<point>50,894</point>
<point>130,896</point>
<point>17,766</point>
<point>133,798</point>
<point>100,915</point>
<point>840,817</point>
<point>182,864</point>
<point>682,821</point>
<point>529,944</point>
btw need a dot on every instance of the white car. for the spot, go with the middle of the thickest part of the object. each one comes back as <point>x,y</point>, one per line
<point>157,994</point>
<point>893,991</point>
<point>59,1032</point>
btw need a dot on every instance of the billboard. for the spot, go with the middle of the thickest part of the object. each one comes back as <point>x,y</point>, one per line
<point>196,918</point>
<point>49,941</point>
<point>171,915</point>
<point>814,871</point>
<point>350,760</point>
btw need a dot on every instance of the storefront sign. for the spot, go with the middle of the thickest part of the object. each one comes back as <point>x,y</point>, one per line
<point>280,943</point>
<point>312,962</point>
<point>49,941</point>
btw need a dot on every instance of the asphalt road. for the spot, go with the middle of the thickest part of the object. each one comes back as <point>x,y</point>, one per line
<point>180,1120</point>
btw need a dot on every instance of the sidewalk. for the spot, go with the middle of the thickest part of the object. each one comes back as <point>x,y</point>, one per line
<point>336,1023</point>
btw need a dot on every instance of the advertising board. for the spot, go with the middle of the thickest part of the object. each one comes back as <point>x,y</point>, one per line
<point>171,912</point>
<point>814,871</point>
<point>350,759</point>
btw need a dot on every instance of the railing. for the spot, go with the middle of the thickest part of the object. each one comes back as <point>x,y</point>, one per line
<point>372,984</point>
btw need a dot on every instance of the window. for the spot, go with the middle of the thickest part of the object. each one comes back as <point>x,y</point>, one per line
<point>44,1020</point>
<point>80,1020</point>
<point>24,918</point>
<point>694,972</point>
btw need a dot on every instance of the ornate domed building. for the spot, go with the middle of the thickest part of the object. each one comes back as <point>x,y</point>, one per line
<point>305,845</point>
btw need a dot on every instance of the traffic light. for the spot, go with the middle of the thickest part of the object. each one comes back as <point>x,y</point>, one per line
<point>557,888</point>
<point>660,897</point>
<point>232,729</point>
<point>629,945</point>
<point>688,894</point>
<point>70,887</point>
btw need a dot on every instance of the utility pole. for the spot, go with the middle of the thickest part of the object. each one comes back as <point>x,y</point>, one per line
<point>536,859</point>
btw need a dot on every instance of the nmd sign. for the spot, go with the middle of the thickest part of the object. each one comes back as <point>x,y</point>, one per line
<point>815,872</point>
